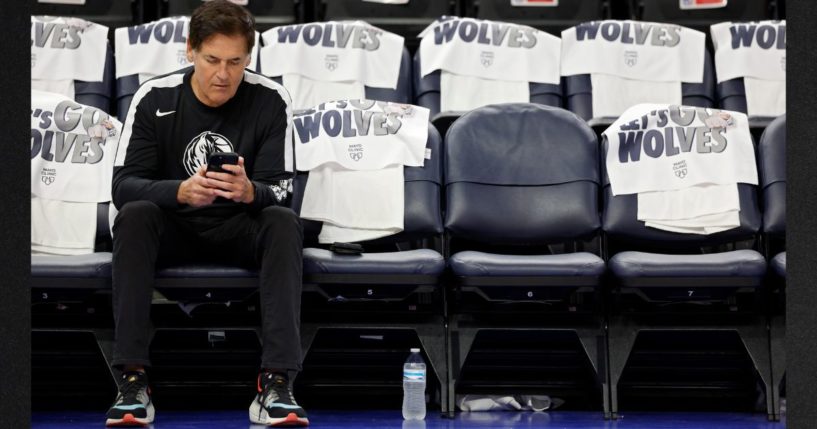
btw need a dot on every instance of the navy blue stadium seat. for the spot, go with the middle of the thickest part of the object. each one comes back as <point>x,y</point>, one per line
<point>427,94</point>
<point>394,284</point>
<point>407,20</point>
<point>267,13</point>
<point>772,163</point>
<point>553,19</point>
<point>522,225</point>
<point>665,281</point>
<point>579,95</point>
<point>701,19</point>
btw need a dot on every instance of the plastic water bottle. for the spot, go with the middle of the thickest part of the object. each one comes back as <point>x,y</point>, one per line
<point>414,387</point>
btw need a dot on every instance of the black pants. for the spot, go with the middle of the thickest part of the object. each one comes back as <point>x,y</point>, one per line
<point>147,237</point>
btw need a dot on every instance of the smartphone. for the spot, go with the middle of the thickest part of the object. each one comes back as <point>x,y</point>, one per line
<point>217,159</point>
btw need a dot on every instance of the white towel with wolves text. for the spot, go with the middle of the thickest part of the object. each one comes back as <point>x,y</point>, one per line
<point>355,151</point>
<point>756,52</point>
<point>334,51</point>
<point>671,156</point>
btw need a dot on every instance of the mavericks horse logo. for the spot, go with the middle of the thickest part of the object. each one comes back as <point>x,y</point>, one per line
<point>197,151</point>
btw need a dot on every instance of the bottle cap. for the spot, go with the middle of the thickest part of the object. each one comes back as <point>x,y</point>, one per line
<point>413,350</point>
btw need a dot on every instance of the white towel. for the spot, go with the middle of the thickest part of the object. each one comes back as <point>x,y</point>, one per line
<point>65,48</point>
<point>355,151</point>
<point>613,95</point>
<point>756,52</point>
<point>490,50</point>
<point>62,86</point>
<point>308,92</point>
<point>334,51</point>
<point>648,51</point>
<point>373,208</point>
<point>62,227</point>
<point>158,47</point>
<point>463,93</point>
<point>698,209</point>
<point>684,163</point>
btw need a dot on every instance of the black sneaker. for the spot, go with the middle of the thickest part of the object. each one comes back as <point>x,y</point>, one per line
<point>133,406</point>
<point>274,404</point>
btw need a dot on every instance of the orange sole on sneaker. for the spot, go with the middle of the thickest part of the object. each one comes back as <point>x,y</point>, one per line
<point>127,421</point>
<point>291,420</point>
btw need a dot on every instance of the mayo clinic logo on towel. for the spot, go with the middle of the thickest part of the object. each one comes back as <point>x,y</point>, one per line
<point>630,58</point>
<point>48,175</point>
<point>486,58</point>
<point>197,151</point>
<point>331,62</point>
<point>680,169</point>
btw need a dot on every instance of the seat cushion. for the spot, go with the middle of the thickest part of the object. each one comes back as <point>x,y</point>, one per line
<point>419,261</point>
<point>737,263</point>
<point>92,265</point>
<point>779,264</point>
<point>206,271</point>
<point>481,264</point>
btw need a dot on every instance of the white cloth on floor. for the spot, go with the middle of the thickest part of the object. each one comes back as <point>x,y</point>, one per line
<point>472,402</point>
<point>756,52</point>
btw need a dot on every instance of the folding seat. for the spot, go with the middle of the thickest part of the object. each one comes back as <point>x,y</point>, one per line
<point>267,13</point>
<point>67,77</point>
<point>407,20</point>
<point>549,16</point>
<point>390,288</point>
<point>314,73</point>
<point>468,90</point>
<point>750,66</point>
<point>71,240</point>
<point>151,49</point>
<point>772,162</point>
<point>700,14</point>
<point>522,241</point>
<point>580,95</point>
<point>671,282</point>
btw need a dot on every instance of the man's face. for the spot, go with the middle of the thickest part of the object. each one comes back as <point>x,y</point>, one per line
<point>218,68</point>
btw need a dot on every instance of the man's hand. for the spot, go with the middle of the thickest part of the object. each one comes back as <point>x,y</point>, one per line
<point>196,191</point>
<point>236,186</point>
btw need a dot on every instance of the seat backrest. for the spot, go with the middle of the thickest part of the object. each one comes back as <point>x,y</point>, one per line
<point>620,221</point>
<point>422,218</point>
<point>578,91</point>
<point>98,94</point>
<point>551,18</point>
<point>427,90</point>
<point>521,174</point>
<point>700,19</point>
<point>267,13</point>
<point>407,20</point>
<point>772,163</point>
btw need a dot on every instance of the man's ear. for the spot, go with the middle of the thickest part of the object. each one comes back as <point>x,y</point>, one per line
<point>189,51</point>
<point>249,58</point>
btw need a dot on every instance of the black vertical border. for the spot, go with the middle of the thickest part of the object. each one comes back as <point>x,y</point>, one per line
<point>15,210</point>
<point>801,300</point>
